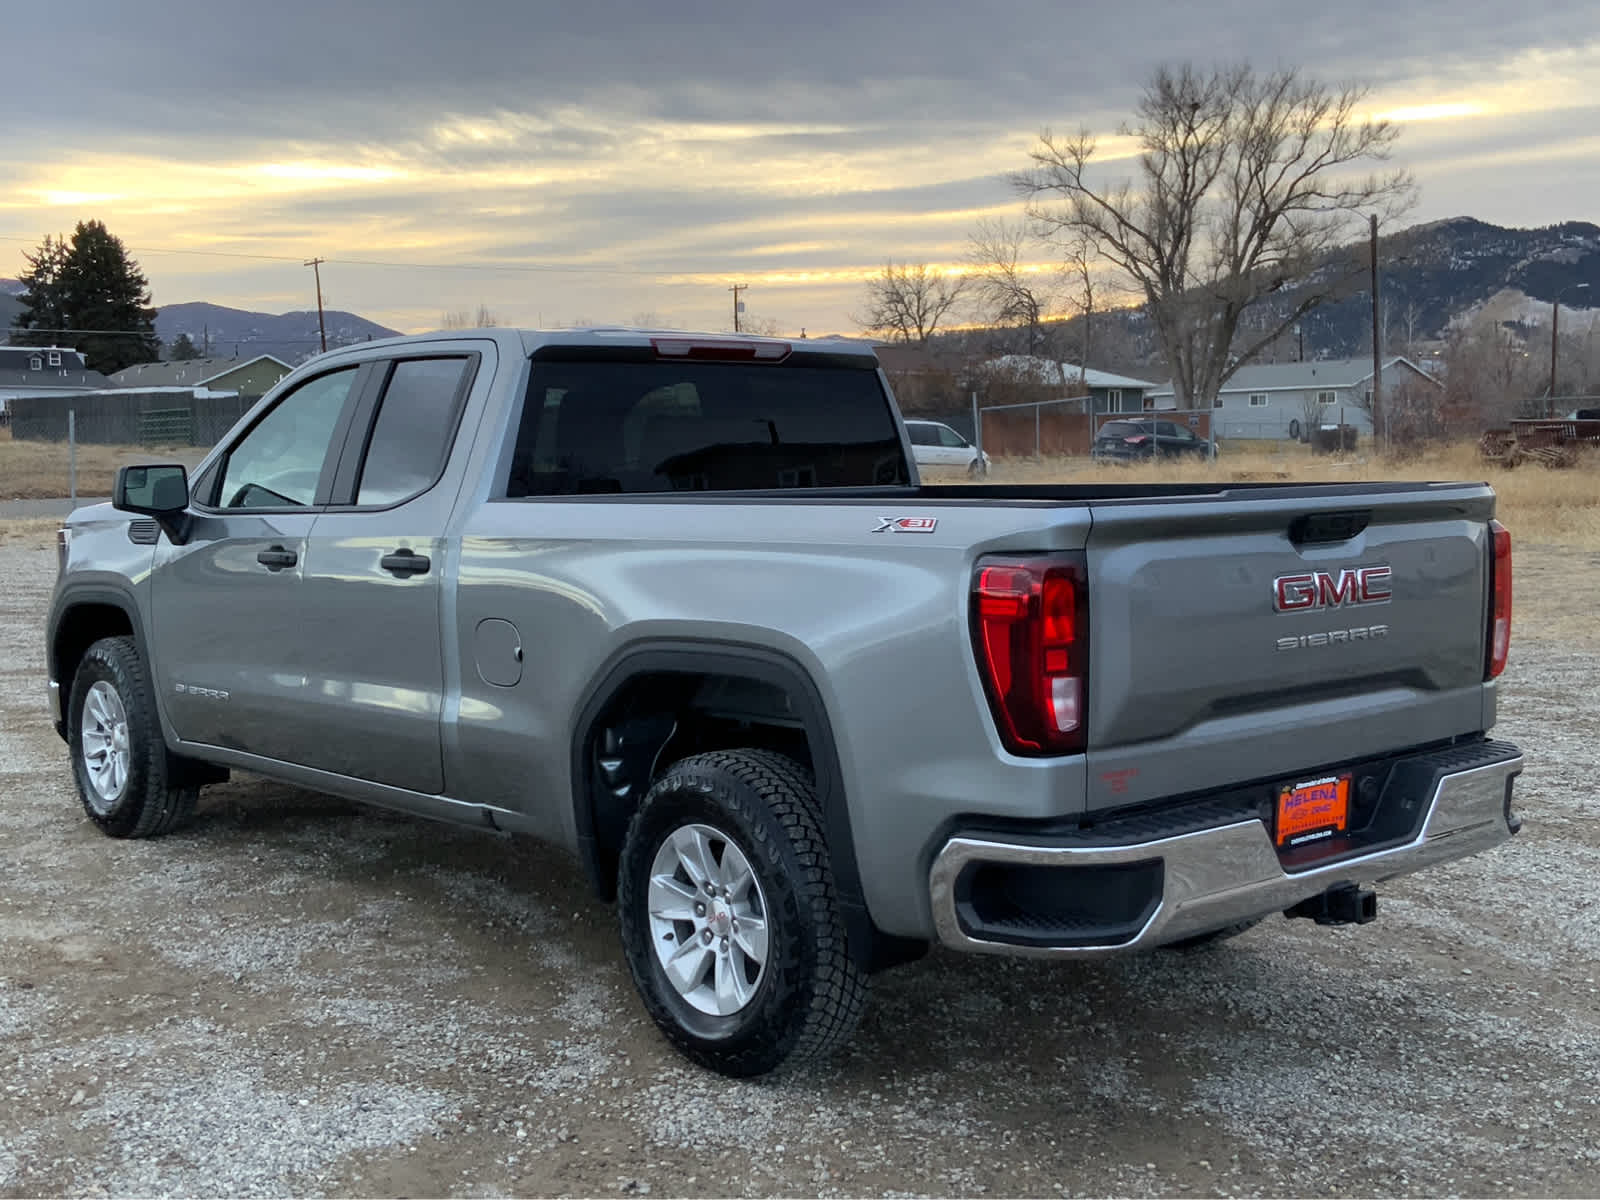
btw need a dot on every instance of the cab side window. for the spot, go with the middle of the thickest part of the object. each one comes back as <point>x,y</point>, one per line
<point>950,438</point>
<point>414,430</point>
<point>277,464</point>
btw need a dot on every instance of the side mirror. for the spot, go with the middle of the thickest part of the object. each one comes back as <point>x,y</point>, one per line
<point>161,492</point>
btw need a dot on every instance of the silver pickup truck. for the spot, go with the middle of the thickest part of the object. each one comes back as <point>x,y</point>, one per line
<point>680,604</point>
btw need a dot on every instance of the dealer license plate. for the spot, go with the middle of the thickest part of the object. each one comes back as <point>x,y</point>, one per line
<point>1313,810</point>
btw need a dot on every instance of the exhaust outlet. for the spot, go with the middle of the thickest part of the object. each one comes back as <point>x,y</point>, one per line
<point>1342,904</point>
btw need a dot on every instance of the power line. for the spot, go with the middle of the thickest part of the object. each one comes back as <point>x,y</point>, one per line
<point>523,268</point>
<point>280,341</point>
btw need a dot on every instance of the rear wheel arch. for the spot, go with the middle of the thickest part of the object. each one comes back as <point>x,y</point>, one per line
<point>655,687</point>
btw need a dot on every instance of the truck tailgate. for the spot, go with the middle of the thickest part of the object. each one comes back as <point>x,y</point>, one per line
<point>1269,636</point>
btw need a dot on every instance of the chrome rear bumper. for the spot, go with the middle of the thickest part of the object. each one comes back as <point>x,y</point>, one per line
<point>1218,877</point>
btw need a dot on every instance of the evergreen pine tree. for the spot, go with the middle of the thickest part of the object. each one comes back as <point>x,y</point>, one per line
<point>91,296</point>
<point>183,349</point>
<point>42,309</point>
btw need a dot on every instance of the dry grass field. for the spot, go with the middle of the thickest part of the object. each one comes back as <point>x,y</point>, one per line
<point>40,470</point>
<point>1539,506</point>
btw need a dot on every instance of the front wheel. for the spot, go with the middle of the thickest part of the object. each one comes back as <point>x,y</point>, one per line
<point>124,774</point>
<point>729,916</point>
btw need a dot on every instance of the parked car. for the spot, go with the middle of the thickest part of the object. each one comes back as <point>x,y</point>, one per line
<point>935,444</point>
<point>679,605</point>
<point>1142,438</point>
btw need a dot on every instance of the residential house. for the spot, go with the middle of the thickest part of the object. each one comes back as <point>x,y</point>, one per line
<point>43,371</point>
<point>245,376</point>
<point>1107,392</point>
<point>1283,400</point>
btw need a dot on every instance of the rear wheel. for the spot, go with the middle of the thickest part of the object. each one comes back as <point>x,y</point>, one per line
<point>729,916</point>
<point>125,777</point>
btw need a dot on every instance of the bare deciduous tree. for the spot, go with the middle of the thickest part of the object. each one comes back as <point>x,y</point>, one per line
<point>760,326</point>
<point>1242,187</point>
<point>1311,414</point>
<point>1489,377</point>
<point>1006,291</point>
<point>906,303</point>
<point>1078,268</point>
<point>463,318</point>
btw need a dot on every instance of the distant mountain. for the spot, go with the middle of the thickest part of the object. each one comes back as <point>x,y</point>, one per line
<point>1434,277</point>
<point>291,336</point>
<point>1437,275</point>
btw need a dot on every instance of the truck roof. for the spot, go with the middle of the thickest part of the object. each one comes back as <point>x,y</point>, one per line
<point>615,335</point>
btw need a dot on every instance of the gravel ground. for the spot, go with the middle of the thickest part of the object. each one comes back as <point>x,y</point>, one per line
<point>296,996</point>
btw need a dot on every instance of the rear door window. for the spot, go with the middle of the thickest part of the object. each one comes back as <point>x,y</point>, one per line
<point>609,426</point>
<point>412,435</point>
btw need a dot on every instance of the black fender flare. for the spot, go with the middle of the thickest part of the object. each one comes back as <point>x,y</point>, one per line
<point>763,665</point>
<point>100,595</point>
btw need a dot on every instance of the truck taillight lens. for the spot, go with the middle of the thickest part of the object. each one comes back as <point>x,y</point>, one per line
<point>1499,599</point>
<point>1030,628</point>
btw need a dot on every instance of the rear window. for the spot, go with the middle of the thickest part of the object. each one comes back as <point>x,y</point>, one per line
<point>618,427</point>
<point>1123,428</point>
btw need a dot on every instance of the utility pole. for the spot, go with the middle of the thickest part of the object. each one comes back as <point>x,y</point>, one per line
<point>1555,324</point>
<point>738,306</point>
<point>316,267</point>
<point>1377,346</point>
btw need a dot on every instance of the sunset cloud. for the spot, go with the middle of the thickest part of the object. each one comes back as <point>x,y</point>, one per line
<point>617,158</point>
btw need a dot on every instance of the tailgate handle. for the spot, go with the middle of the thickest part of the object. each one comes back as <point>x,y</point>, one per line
<point>1328,527</point>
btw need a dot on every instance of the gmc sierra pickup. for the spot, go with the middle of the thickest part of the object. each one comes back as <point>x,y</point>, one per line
<point>679,604</point>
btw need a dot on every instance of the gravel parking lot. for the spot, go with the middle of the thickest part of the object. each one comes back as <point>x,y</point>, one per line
<point>294,995</point>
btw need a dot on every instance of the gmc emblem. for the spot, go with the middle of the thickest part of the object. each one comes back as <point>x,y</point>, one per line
<point>1322,589</point>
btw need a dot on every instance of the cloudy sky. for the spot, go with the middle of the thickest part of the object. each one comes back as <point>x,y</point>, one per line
<point>602,160</point>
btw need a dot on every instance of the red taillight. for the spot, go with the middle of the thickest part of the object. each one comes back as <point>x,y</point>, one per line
<point>1030,625</point>
<point>1135,441</point>
<point>721,350</point>
<point>1500,599</point>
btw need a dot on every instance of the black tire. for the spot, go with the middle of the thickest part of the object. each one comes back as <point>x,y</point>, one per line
<point>977,469</point>
<point>1202,940</point>
<point>150,802</point>
<point>810,993</point>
